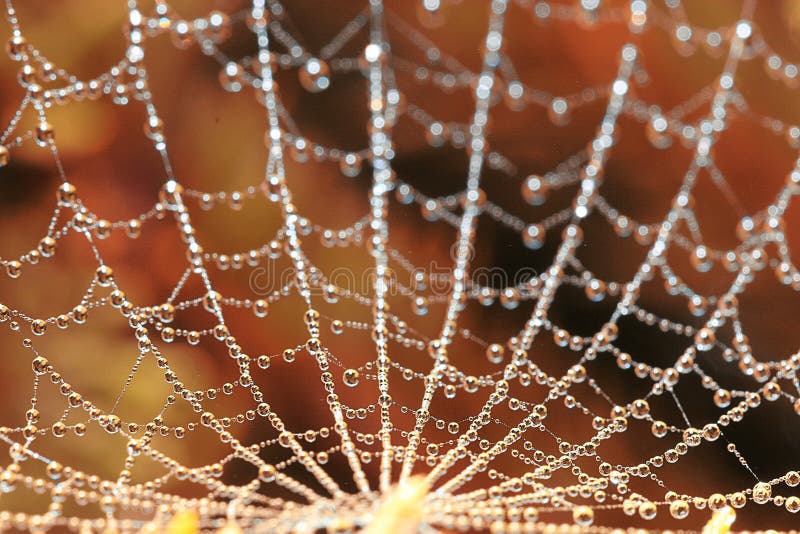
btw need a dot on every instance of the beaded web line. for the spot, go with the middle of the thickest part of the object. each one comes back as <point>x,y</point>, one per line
<point>545,482</point>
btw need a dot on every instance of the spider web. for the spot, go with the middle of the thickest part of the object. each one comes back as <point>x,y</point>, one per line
<point>478,424</point>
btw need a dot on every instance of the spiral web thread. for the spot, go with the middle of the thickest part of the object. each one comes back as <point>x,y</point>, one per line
<point>460,488</point>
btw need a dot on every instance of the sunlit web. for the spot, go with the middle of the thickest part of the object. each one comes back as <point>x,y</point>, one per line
<point>504,464</point>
